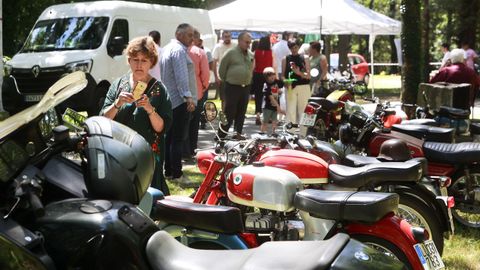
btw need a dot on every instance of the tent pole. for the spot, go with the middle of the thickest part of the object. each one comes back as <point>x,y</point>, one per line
<point>371,77</point>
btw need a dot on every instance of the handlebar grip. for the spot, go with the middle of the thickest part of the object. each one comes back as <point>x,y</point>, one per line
<point>36,205</point>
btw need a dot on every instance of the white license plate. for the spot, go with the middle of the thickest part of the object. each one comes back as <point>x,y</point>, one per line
<point>429,257</point>
<point>308,119</point>
<point>33,98</point>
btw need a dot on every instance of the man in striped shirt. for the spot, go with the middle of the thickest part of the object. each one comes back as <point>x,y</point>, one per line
<point>177,73</point>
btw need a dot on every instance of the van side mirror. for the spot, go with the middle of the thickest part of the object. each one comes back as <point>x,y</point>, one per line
<point>116,46</point>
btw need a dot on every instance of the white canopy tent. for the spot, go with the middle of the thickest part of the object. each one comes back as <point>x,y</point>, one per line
<point>332,17</point>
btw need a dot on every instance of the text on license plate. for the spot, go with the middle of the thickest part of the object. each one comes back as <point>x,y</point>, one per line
<point>308,119</point>
<point>33,98</point>
<point>429,256</point>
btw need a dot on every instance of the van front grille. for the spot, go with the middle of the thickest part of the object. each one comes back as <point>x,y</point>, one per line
<point>28,83</point>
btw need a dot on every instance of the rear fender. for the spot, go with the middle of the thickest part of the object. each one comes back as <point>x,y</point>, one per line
<point>393,229</point>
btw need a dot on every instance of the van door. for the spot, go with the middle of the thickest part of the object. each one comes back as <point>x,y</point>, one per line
<point>117,42</point>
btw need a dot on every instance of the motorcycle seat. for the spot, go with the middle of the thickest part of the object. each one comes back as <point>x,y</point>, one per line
<point>164,252</point>
<point>358,161</point>
<point>452,153</point>
<point>372,175</point>
<point>423,121</point>
<point>367,207</point>
<point>213,218</point>
<point>454,113</point>
<point>427,133</point>
<point>326,104</point>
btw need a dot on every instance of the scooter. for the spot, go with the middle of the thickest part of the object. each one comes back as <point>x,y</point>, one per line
<point>107,231</point>
<point>364,133</point>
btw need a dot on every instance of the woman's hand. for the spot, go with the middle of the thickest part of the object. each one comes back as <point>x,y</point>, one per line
<point>144,102</point>
<point>124,97</point>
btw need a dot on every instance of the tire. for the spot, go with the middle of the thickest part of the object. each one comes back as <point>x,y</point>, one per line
<point>366,79</point>
<point>384,246</point>
<point>417,213</point>
<point>466,210</point>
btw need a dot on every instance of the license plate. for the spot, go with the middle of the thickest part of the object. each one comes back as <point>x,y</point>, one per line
<point>429,257</point>
<point>308,119</point>
<point>33,98</point>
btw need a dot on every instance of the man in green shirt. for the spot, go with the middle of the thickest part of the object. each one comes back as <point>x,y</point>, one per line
<point>236,72</point>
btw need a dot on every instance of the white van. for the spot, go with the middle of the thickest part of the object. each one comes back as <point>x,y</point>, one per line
<point>89,36</point>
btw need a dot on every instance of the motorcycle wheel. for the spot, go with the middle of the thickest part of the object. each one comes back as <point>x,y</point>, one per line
<point>466,210</point>
<point>385,247</point>
<point>417,213</point>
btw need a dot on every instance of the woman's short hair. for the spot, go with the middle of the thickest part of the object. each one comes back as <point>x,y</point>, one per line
<point>315,45</point>
<point>144,45</point>
<point>457,56</point>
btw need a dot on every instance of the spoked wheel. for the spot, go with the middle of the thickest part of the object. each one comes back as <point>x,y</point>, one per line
<point>418,214</point>
<point>467,207</point>
<point>385,247</point>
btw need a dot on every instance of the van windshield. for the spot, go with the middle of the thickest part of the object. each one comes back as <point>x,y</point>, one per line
<point>76,33</point>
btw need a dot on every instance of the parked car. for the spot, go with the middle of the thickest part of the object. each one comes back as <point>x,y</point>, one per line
<point>358,64</point>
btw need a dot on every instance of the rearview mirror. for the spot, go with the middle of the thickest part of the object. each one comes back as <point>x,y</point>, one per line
<point>210,111</point>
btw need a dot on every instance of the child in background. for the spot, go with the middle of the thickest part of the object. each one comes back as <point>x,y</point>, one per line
<point>271,99</point>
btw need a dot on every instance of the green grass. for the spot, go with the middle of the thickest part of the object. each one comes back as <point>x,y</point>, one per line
<point>461,252</point>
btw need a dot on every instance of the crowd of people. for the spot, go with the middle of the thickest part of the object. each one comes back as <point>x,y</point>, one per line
<point>173,83</point>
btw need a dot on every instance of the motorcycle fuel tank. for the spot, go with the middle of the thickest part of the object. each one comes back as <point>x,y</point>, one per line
<point>308,167</point>
<point>263,187</point>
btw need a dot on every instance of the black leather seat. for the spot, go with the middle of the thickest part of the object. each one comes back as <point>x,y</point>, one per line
<point>372,175</point>
<point>428,133</point>
<point>346,205</point>
<point>452,153</point>
<point>423,121</point>
<point>220,219</point>
<point>165,253</point>
<point>358,161</point>
<point>326,104</point>
<point>453,113</point>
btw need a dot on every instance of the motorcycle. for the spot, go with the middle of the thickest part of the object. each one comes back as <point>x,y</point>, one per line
<point>418,204</point>
<point>365,133</point>
<point>107,230</point>
<point>217,166</point>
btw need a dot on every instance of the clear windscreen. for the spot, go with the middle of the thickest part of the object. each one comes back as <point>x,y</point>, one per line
<point>76,33</point>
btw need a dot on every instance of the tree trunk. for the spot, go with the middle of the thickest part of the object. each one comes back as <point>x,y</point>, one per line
<point>467,20</point>
<point>411,44</point>
<point>426,41</point>
<point>344,48</point>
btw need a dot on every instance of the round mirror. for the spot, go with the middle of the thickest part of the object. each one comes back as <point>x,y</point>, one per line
<point>314,72</point>
<point>210,111</point>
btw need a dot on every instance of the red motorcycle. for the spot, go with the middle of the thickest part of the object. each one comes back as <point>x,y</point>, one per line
<point>460,161</point>
<point>286,214</point>
<point>218,165</point>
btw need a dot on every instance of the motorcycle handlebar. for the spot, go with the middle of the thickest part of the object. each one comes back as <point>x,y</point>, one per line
<point>36,204</point>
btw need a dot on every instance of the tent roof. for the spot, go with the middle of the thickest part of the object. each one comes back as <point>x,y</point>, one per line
<point>304,16</point>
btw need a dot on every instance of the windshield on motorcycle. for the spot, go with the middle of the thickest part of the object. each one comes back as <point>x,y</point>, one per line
<point>17,148</point>
<point>76,33</point>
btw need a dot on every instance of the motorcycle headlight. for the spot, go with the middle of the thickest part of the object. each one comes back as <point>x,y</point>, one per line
<point>84,66</point>
<point>8,70</point>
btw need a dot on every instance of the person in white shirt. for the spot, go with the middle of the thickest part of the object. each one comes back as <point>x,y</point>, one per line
<point>155,70</point>
<point>280,50</point>
<point>446,55</point>
<point>218,52</point>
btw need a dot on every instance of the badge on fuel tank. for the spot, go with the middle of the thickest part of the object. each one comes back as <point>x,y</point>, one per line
<point>237,180</point>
